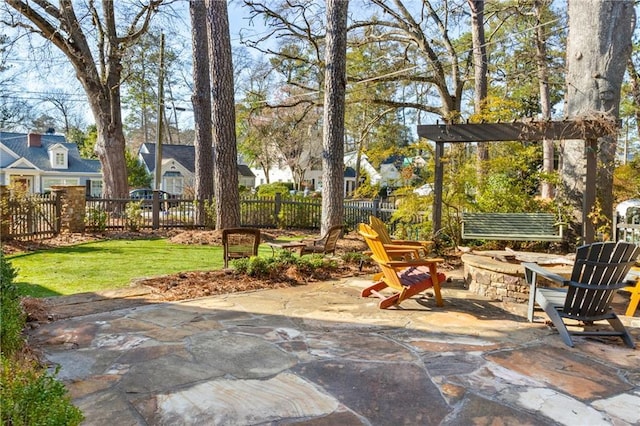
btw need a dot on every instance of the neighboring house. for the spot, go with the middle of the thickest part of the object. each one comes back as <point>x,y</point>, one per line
<point>390,171</point>
<point>179,165</point>
<point>388,175</point>
<point>350,159</point>
<point>38,162</point>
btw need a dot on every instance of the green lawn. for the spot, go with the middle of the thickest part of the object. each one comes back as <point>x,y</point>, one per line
<point>109,264</point>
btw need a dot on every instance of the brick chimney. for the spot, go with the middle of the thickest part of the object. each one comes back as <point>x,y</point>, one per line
<point>34,140</point>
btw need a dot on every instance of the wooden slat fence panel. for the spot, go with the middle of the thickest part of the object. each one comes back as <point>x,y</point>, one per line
<point>30,216</point>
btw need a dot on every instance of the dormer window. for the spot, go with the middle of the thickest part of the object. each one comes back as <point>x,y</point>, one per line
<point>59,157</point>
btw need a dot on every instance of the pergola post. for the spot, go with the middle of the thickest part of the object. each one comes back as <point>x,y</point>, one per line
<point>438,183</point>
<point>589,196</point>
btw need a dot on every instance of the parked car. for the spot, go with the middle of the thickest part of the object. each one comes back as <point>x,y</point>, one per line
<point>147,194</point>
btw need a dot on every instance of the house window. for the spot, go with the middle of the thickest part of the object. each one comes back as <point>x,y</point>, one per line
<point>173,182</point>
<point>58,157</point>
<point>47,183</point>
<point>95,186</point>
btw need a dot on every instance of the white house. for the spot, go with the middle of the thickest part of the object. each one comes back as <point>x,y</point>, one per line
<point>178,167</point>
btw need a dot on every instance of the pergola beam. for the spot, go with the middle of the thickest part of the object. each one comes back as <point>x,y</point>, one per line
<point>516,131</point>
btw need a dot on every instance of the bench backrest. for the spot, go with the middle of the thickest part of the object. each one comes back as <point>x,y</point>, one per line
<point>511,226</point>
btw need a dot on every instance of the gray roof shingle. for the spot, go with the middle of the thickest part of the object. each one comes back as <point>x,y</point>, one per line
<point>39,156</point>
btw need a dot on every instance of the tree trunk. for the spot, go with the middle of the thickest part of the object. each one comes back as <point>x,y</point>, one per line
<point>334,110</point>
<point>635,91</point>
<point>110,144</point>
<point>480,79</point>
<point>226,184</point>
<point>201,100</point>
<point>546,187</point>
<point>480,75</point>
<point>598,49</point>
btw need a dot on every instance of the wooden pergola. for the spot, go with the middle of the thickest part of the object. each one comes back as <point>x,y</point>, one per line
<point>589,131</point>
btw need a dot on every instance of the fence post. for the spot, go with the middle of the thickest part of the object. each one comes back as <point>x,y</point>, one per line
<point>155,210</point>
<point>376,207</point>
<point>277,206</point>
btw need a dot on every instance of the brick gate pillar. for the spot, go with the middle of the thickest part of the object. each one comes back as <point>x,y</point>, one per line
<point>72,203</point>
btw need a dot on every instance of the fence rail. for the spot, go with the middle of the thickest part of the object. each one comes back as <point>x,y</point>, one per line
<point>42,219</point>
<point>628,232</point>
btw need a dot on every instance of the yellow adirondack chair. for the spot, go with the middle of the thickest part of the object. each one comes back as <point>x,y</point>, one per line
<point>406,277</point>
<point>635,293</point>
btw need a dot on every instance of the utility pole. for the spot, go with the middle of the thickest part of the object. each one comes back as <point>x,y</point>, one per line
<point>158,170</point>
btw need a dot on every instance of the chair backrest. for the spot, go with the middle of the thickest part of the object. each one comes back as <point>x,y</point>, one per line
<point>599,270</point>
<point>380,256</point>
<point>373,240</point>
<point>240,242</point>
<point>331,238</point>
<point>381,229</point>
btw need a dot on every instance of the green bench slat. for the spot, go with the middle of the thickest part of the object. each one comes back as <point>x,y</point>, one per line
<point>511,226</point>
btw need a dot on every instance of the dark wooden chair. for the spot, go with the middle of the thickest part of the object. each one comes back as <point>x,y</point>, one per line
<point>325,244</point>
<point>239,242</point>
<point>406,277</point>
<point>599,271</point>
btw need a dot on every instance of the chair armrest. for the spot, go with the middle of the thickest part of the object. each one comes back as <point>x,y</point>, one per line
<point>534,267</point>
<point>400,251</point>
<point>413,262</point>
<point>405,247</point>
<point>419,243</point>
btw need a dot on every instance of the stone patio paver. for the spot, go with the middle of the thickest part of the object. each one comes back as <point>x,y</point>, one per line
<point>320,354</point>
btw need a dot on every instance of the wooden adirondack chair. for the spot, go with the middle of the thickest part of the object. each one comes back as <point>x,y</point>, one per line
<point>424,247</point>
<point>406,277</point>
<point>599,271</point>
<point>634,289</point>
<point>239,242</point>
<point>325,244</point>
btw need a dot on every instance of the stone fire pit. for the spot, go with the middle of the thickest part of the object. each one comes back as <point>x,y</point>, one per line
<point>499,275</point>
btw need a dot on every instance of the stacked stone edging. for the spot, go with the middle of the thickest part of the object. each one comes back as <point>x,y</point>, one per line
<point>494,279</point>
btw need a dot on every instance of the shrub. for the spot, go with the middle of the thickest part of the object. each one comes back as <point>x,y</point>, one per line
<point>267,267</point>
<point>97,218</point>
<point>133,213</point>
<point>31,396</point>
<point>12,318</point>
<point>271,189</point>
<point>355,258</point>
<point>209,208</point>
